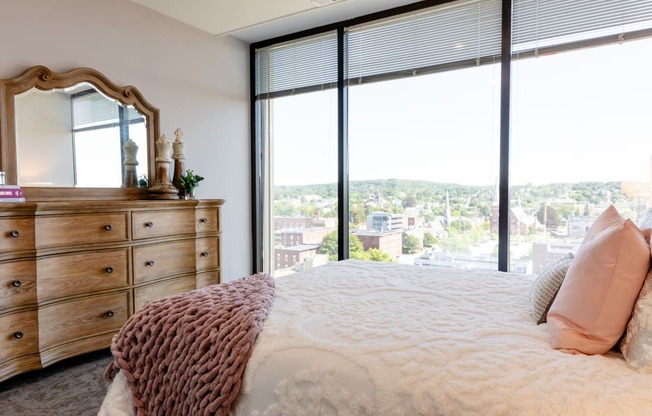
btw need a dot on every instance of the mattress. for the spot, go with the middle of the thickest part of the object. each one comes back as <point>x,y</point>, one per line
<point>367,338</point>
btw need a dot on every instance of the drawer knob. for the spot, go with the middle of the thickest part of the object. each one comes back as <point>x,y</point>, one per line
<point>109,269</point>
<point>149,224</point>
<point>14,234</point>
<point>16,283</point>
<point>149,262</point>
<point>204,220</point>
<point>18,335</point>
<point>204,253</point>
<point>110,313</point>
<point>108,227</point>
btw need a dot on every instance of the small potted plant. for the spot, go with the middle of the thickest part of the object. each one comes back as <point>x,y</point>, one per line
<point>189,181</point>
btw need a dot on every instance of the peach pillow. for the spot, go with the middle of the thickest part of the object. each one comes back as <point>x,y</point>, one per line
<point>595,301</point>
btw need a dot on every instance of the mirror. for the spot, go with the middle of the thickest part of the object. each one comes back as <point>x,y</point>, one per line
<point>63,135</point>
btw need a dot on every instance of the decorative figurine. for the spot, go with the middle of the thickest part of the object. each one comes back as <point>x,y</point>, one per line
<point>163,188</point>
<point>130,177</point>
<point>179,162</point>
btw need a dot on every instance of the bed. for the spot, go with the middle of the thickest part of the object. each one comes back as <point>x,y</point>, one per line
<point>366,338</point>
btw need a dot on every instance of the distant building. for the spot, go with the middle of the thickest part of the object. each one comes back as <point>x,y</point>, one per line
<point>544,254</point>
<point>383,221</point>
<point>292,222</point>
<point>519,221</point>
<point>390,242</point>
<point>330,223</point>
<point>411,222</point>
<point>435,227</point>
<point>281,223</point>
<point>286,257</point>
<point>578,226</point>
<point>310,262</point>
<point>296,237</point>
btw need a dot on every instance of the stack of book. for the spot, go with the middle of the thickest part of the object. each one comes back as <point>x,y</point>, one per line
<point>11,193</point>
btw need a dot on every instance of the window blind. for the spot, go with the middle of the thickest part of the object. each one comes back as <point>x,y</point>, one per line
<point>94,109</point>
<point>451,35</point>
<point>304,65</point>
<point>550,24</point>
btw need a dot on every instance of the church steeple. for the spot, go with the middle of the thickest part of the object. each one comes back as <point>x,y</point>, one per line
<point>496,197</point>
<point>448,210</point>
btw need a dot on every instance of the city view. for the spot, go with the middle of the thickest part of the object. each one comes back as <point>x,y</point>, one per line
<point>423,158</point>
<point>443,225</point>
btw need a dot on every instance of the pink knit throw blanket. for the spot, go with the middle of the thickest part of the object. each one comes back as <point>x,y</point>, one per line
<point>185,355</point>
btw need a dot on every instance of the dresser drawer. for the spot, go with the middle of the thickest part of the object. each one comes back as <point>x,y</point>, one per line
<point>81,318</point>
<point>18,334</point>
<point>149,224</point>
<point>83,272</point>
<point>17,283</point>
<point>208,220</point>
<point>208,253</point>
<point>156,261</point>
<point>57,231</point>
<point>162,290</point>
<point>208,278</point>
<point>16,234</point>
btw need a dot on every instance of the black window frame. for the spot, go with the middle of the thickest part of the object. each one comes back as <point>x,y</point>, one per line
<point>507,56</point>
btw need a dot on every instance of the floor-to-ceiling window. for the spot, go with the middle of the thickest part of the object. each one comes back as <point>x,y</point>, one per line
<point>423,138</point>
<point>424,99</point>
<point>298,115</point>
<point>580,124</point>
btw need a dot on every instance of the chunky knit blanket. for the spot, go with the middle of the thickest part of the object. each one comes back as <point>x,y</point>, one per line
<point>185,355</point>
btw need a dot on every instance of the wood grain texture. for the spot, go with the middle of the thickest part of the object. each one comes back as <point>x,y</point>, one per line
<point>150,224</point>
<point>17,284</point>
<point>81,318</point>
<point>207,220</point>
<point>18,334</point>
<point>163,289</point>
<point>208,278</point>
<point>156,261</point>
<point>85,272</point>
<point>16,234</point>
<point>208,253</point>
<point>68,230</point>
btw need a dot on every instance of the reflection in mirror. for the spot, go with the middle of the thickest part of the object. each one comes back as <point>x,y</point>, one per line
<point>74,137</point>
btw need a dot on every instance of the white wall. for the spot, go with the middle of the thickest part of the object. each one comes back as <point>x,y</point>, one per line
<point>199,83</point>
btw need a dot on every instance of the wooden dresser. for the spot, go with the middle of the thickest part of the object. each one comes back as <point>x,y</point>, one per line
<point>71,273</point>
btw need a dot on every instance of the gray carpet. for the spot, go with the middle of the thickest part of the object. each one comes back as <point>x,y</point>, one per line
<point>72,387</point>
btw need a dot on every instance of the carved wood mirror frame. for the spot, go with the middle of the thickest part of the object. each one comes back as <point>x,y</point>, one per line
<point>42,78</point>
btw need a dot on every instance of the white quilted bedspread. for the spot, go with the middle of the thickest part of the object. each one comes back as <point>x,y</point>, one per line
<point>364,338</point>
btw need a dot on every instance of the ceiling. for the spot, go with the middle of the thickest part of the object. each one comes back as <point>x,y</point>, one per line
<point>255,20</point>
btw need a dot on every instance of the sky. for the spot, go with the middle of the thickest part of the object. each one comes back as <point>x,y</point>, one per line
<point>576,116</point>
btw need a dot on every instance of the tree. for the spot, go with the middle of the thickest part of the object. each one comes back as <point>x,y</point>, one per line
<point>429,240</point>
<point>357,215</point>
<point>330,244</point>
<point>411,244</point>
<point>284,209</point>
<point>409,201</point>
<point>375,254</point>
<point>552,219</point>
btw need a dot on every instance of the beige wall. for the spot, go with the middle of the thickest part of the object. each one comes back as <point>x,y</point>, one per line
<point>199,83</point>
